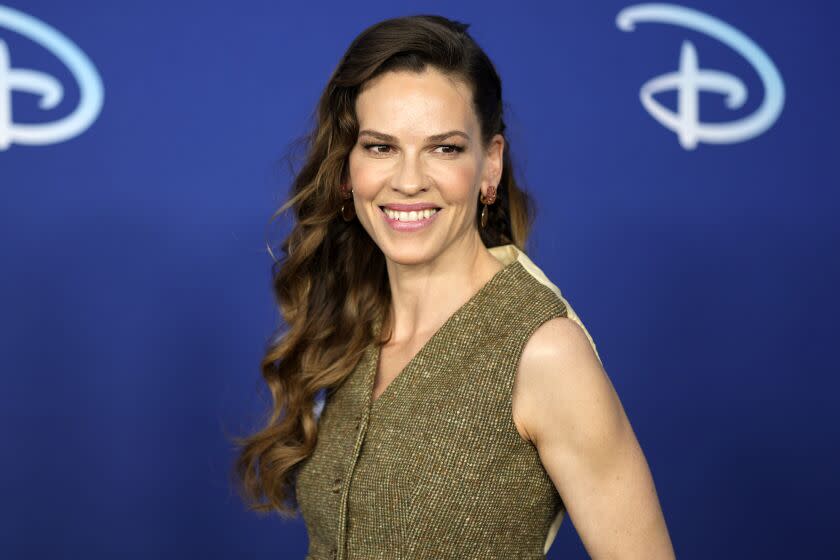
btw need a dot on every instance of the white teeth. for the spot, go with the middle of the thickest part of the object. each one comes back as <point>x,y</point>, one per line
<point>412,216</point>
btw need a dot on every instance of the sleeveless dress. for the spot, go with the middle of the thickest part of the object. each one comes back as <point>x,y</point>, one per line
<point>434,468</point>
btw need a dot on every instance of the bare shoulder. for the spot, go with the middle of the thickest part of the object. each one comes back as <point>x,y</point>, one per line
<point>559,380</point>
<point>558,337</point>
<point>566,404</point>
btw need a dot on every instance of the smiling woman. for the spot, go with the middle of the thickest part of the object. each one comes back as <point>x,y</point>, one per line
<point>406,169</point>
<point>465,408</point>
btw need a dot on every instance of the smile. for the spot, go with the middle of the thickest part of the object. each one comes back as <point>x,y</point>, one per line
<point>409,221</point>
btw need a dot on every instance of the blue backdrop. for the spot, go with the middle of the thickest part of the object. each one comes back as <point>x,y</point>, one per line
<point>140,162</point>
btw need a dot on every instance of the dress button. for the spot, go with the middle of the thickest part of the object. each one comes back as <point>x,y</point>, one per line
<point>336,486</point>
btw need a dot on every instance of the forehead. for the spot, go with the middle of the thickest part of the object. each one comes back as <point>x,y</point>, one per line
<point>403,102</point>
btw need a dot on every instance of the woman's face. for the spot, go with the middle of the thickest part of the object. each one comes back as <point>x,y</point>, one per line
<point>419,143</point>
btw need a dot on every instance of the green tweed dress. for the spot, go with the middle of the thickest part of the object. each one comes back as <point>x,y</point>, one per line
<point>434,468</point>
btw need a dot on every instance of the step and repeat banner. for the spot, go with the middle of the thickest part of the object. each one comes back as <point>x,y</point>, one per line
<point>683,161</point>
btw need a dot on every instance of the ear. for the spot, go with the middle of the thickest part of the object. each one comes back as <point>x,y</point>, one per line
<point>493,164</point>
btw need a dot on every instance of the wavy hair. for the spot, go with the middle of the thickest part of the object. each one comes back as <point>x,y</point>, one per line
<point>331,283</point>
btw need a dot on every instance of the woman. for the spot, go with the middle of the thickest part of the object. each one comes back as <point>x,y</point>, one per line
<point>411,305</point>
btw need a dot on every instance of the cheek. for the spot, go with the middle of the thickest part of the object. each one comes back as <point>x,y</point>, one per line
<point>362,177</point>
<point>459,184</point>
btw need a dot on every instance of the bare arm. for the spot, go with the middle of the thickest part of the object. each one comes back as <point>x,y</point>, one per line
<point>572,414</point>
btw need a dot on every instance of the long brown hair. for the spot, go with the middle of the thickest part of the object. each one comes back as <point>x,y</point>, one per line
<point>331,282</point>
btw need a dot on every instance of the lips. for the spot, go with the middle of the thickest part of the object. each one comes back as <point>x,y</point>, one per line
<point>420,223</point>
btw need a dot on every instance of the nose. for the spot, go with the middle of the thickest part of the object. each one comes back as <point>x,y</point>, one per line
<point>409,176</point>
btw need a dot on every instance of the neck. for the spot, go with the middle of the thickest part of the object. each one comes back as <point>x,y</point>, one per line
<point>424,295</point>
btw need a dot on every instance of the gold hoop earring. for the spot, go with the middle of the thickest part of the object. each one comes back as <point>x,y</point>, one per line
<point>489,199</point>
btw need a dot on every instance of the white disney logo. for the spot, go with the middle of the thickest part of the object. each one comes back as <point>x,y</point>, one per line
<point>46,87</point>
<point>690,80</point>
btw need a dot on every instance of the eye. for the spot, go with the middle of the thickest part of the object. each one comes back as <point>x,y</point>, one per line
<point>456,149</point>
<point>369,146</point>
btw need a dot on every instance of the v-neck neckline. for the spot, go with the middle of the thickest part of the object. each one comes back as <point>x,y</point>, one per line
<point>376,351</point>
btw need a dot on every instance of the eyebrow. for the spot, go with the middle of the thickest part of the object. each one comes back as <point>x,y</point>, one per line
<point>433,138</point>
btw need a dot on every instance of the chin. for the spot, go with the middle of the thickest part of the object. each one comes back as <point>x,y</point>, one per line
<point>409,253</point>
